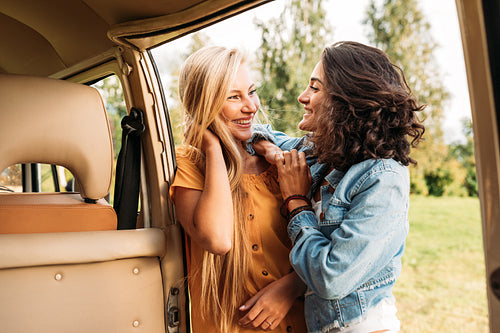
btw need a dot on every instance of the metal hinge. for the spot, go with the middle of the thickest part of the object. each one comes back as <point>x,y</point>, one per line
<point>495,283</point>
<point>173,313</point>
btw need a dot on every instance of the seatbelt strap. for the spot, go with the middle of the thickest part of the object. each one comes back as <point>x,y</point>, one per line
<point>128,170</point>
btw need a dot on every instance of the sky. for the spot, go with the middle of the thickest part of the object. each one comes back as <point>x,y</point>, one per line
<point>346,19</point>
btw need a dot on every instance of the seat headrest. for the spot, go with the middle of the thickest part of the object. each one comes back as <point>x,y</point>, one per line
<point>57,122</point>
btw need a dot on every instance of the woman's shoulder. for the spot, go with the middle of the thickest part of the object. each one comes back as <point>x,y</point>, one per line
<point>184,151</point>
<point>186,160</point>
<point>377,170</point>
<point>186,154</point>
<point>374,166</point>
<point>187,174</point>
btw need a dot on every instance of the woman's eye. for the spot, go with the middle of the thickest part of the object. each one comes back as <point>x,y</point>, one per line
<point>252,92</point>
<point>233,97</point>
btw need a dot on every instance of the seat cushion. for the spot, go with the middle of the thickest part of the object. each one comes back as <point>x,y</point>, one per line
<point>53,212</point>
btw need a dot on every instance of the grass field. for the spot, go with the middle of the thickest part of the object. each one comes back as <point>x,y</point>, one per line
<point>442,286</point>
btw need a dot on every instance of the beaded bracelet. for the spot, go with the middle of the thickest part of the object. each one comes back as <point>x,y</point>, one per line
<point>284,206</point>
<point>298,210</point>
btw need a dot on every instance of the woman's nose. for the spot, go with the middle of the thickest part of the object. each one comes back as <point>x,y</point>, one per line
<point>303,98</point>
<point>250,106</point>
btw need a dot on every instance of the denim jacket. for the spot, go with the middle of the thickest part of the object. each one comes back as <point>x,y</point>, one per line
<point>351,257</point>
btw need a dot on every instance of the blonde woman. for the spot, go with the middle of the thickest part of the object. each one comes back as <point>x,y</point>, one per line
<point>228,201</point>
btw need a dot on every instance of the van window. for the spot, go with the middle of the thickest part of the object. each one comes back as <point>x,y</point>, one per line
<point>36,178</point>
<point>11,179</point>
<point>112,95</point>
<point>114,101</point>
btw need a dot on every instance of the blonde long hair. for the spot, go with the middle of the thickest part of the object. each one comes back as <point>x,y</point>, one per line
<point>204,82</point>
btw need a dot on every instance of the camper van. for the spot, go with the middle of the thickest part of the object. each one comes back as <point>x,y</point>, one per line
<point>98,249</point>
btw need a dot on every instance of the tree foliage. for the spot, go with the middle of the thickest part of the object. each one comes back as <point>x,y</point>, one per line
<point>401,30</point>
<point>290,48</point>
<point>112,93</point>
<point>291,45</point>
<point>196,42</point>
<point>463,152</point>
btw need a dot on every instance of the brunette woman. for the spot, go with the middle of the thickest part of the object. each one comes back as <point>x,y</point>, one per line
<point>349,229</point>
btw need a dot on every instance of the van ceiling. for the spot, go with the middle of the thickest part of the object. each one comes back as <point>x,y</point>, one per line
<point>45,37</point>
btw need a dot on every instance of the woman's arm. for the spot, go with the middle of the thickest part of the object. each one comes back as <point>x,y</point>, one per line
<point>372,231</point>
<point>207,216</point>
<point>267,149</point>
<point>280,139</point>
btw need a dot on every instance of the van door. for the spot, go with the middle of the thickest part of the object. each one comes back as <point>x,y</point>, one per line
<point>480,27</point>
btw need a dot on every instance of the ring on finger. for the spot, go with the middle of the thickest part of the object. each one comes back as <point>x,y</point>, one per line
<point>269,323</point>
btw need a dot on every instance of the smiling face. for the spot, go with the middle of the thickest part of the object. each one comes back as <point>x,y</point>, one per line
<point>312,99</point>
<point>240,106</point>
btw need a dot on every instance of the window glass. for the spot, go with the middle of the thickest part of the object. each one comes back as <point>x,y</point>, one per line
<point>38,178</point>
<point>11,179</point>
<point>112,95</point>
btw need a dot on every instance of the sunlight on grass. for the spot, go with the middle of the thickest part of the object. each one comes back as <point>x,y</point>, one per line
<point>442,286</point>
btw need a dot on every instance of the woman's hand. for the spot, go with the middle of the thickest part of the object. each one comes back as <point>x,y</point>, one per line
<point>270,305</point>
<point>294,175</point>
<point>210,140</point>
<point>267,149</point>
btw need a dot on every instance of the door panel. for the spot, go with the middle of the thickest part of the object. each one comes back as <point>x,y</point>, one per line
<point>477,26</point>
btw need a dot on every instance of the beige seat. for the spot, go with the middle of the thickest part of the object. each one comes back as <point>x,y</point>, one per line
<point>98,279</point>
<point>56,122</point>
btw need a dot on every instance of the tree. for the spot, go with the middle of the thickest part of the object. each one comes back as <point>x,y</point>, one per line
<point>198,40</point>
<point>290,48</point>
<point>400,29</point>
<point>464,153</point>
<point>112,94</point>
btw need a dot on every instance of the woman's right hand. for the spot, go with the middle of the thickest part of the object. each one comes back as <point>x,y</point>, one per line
<point>210,140</point>
<point>294,175</point>
<point>271,304</point>
<point>267,149</point>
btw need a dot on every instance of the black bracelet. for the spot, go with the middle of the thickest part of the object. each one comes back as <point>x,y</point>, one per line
<point>298,210</point>
<point>284,206</point>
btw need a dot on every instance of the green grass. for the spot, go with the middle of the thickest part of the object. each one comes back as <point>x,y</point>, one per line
<point>442,285</point>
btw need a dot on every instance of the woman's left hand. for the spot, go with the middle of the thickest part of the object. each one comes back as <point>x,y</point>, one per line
<point>294,175</point>
<point>270,305</point>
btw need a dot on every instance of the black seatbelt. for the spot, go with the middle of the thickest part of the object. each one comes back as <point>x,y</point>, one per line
<point>128,170</point>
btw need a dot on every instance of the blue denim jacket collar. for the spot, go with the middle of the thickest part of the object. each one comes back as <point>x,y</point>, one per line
<point>334,177</point>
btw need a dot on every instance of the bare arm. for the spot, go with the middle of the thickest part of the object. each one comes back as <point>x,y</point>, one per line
<point>207,216</point>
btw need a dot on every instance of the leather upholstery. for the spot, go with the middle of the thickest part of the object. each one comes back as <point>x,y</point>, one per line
<point>56,122</point>
<point>53,212</point>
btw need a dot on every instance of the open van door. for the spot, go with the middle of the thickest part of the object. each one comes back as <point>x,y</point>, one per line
<point>480,29</point>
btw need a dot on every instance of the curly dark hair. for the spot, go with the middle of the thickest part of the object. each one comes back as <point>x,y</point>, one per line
<point>370,112</point>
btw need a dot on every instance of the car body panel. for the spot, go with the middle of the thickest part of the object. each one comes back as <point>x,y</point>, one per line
<point>479,39</point>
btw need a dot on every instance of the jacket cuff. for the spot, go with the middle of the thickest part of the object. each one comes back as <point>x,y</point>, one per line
<point>300,222</point>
